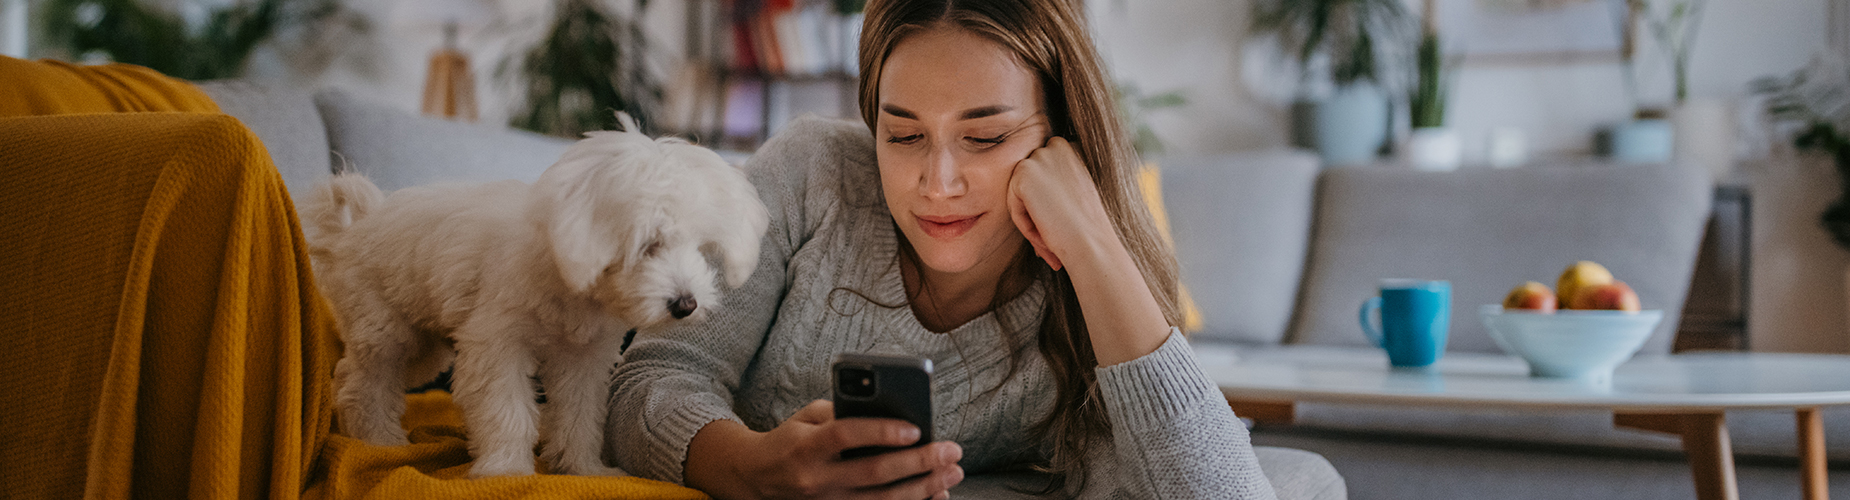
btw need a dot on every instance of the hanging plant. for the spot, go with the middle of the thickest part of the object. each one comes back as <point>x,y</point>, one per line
<point>589,66</point>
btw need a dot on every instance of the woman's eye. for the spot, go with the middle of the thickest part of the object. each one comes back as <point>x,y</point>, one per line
<point>990,141</point>
<point>905,139</point>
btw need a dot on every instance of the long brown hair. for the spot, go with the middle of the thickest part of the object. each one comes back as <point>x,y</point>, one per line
<point>1050,38</point>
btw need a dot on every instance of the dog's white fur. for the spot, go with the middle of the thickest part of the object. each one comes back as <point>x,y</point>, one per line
<point>509,281</point>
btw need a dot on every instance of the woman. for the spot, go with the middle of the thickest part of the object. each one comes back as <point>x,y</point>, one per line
<point>989,223</point>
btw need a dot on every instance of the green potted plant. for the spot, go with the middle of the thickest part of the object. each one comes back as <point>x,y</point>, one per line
<point>1697,131</point>
<point>1349,41</point>
<point>1817,99</point>
<point>1431,145</point>
<point>589,65</point>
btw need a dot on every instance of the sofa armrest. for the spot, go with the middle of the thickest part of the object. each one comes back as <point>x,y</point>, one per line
<point>161,329</point>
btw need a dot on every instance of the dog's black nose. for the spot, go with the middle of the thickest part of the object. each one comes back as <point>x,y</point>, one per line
<point>682,306</point>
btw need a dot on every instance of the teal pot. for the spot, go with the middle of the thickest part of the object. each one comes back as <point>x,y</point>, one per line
<point>1640,141</point>
<point>1347,128</point>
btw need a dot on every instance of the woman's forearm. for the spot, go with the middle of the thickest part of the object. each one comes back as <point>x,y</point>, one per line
<point>1122,317</point>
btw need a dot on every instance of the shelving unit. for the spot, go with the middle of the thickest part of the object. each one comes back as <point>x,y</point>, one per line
<point>738,108</point>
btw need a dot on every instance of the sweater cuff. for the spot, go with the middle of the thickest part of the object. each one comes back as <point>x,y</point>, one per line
<point>673,433</point>
<point>1153,390</point>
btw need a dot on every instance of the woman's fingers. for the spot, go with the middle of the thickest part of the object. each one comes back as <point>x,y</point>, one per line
<point>851,433</point>
<point>937,484</point>
<point>1018,212</point>
<point>891,467</point>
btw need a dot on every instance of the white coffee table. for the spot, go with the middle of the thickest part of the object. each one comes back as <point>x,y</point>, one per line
<point>1684,395</point>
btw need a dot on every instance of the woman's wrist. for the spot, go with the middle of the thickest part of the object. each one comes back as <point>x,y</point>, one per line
<point>1122,316</point>
<point>712,456</point>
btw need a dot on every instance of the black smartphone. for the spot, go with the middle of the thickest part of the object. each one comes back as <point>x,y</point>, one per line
<point>876,386</point>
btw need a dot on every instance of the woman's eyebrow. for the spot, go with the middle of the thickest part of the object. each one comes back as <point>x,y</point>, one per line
<point>968,114</point>
<point>984,112</point>
<point>898,111</point>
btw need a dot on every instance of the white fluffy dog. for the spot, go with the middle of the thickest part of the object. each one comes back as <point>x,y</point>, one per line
<point>508,281</point>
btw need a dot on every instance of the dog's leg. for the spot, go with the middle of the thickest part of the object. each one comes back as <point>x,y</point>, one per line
<point>494,389</point>
<point>577,382</point>
<point>369,378</point>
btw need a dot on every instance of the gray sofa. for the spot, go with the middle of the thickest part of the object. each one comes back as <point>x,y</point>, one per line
<point>1275,250</point>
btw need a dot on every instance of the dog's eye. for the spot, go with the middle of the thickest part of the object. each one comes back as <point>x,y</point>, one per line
<point>653,248</point>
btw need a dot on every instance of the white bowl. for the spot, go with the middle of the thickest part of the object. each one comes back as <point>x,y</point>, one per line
<point>1570,343</point>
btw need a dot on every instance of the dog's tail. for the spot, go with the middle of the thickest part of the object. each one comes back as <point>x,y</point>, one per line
<point>338,203</point>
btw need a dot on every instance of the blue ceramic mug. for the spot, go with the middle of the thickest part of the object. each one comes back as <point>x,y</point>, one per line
<point>1415,315</point>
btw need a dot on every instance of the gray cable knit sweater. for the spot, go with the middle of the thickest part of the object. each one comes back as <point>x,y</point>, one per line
<point>826,267</point>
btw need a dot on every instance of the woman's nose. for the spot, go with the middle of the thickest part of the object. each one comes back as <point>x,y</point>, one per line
<point>941,178</point>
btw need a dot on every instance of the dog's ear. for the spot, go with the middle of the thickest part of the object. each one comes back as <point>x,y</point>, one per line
<point>566,208</point>
<point>738,233</point>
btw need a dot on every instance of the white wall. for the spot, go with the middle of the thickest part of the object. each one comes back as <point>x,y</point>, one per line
<point>1799,275</point>
<point>1197,46</point>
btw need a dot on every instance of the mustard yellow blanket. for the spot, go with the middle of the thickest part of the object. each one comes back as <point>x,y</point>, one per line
<point>162,335</point>
<point>437,460</point>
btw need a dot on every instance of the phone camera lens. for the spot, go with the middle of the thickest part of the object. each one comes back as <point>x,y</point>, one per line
<point>859,383</point>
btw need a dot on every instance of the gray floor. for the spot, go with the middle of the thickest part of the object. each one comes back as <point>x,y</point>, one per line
<point>1377,468</point>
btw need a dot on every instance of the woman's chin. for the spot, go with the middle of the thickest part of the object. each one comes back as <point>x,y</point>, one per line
<point>948,262</point>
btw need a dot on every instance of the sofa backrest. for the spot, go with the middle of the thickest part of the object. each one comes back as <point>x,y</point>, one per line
<point>1488,231</point>
<point>398,149</point>
<point>1241,223</point>
<point>286,120</point>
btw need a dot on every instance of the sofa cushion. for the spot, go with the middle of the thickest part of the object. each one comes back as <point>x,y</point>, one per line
<point>1241,224</point>
<point>286,120</point>
<point>398,149</point>
<point>1489,230</point>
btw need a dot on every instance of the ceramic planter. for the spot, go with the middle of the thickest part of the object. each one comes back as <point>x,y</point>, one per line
<point>1437,149</point>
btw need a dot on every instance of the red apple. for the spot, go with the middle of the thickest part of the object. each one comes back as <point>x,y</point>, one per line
<point>1531,295</point>
<point>1614,296</point>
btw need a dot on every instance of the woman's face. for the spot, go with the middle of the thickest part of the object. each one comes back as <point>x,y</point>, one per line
<point>957,112</point>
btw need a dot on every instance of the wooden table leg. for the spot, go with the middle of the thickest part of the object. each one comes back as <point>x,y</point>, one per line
<point>1705,442</point>
<point>1264,412</point>
<point>1811,455</point>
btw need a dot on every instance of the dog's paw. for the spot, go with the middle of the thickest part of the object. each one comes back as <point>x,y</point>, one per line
<point>495,468</point>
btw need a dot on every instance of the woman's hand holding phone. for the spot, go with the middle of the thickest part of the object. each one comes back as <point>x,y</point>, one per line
<point>801,458</point>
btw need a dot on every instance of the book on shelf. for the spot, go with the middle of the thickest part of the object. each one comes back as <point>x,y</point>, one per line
<point>744,116</point>
<point>793,38</point>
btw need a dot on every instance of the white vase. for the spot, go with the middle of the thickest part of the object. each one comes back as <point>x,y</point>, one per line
<point>1434,149</point>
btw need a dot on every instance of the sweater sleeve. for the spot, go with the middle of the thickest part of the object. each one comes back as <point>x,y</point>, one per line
<point>1173,434</point>
<point>677,380</point>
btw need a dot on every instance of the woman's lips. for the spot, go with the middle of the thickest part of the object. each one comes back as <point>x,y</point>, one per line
<point>946,227</point>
